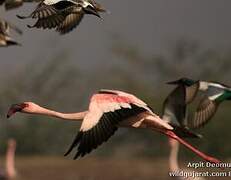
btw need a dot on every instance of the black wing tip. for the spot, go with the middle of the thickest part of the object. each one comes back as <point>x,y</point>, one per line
<point>66,153</point>
<point>78,154</point>
<point>13,43</point>
<point>22,17</point>
<point>75,143</point>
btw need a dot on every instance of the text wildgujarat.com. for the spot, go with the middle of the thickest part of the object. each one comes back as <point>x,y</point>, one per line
<point>186,174</point>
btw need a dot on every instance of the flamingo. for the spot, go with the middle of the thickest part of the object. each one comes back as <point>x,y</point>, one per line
<point>214,94</point>
<point>64,15</point>
<point>5,39</point>
<point>174,112</point>
<point>10,172</point>
<point>108,110</point>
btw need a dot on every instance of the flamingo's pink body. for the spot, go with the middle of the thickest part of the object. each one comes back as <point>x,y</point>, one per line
<point>108,110</point>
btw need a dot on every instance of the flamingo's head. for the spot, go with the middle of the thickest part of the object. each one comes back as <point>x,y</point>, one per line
<point>25,107</point>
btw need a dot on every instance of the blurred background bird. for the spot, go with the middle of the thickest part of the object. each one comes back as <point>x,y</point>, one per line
<point>5,37</point>
<point>10,170</point>
<point>12,4</point>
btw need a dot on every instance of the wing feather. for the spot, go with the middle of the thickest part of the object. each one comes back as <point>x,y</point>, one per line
<point>43,11</point>
<point>174,107</point>
<point>49,22</point>
<point>90,137</point>
<point>205,111</point>
<point>191,92</point>
<point>71,21</point>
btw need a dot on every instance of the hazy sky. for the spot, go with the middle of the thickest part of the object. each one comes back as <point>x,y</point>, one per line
<point>148,24</point>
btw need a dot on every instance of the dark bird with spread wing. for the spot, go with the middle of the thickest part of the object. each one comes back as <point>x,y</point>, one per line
<point>64,15</point>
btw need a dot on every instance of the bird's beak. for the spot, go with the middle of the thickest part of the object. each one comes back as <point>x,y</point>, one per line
<point>173,82</point>
<point>102,9</point>
<point>91,10</point>
<point>15,108</point>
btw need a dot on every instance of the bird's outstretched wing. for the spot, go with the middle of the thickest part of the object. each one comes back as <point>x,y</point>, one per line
<point>42,11</point>
<point>174,107</point>
<point>70,22</point>
<point>48,22</point>
<point>174,112</point>
<point>7,41</point>
<point>191,92</point>
<point>11,4</point>
<point>102,121</point>
<point>205,111</point>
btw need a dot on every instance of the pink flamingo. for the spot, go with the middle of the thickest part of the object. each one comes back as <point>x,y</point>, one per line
<point>10,172</point>
<point>108,110</point>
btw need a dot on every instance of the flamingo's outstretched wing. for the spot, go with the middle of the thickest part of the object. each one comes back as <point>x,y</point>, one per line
<point>105,113</point>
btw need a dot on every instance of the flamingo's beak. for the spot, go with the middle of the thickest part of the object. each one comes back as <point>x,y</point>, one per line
<point>15,108</point>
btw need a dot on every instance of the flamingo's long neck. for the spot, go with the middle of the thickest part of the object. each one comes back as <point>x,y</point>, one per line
<point>173,158</point>
<point>66,116</point>
<point>10,158</point>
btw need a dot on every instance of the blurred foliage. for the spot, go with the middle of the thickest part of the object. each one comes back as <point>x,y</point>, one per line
<point>63,87</point>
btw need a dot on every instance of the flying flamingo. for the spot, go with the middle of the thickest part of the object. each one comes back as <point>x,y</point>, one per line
<point>108,110</point>
<point>10,172</point>
<point>175,113</point>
